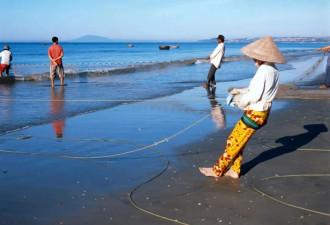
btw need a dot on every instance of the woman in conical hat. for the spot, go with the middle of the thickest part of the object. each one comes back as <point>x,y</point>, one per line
<point>256,100</point>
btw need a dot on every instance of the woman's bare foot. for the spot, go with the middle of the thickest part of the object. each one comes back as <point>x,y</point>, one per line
<point>232,174</point>
<point>207,172</point>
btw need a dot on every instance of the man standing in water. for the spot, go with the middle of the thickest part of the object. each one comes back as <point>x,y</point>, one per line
<point>55,54</point>
<point>216,58</point>
<point>6,58</point>
<point>327,70</point>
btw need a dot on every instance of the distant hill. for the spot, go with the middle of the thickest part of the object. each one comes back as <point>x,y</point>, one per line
<point>91,38</point>
<point>277,39</point>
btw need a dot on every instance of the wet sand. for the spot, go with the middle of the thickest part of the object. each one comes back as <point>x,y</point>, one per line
<point>292,150</point>
<point>155,148</point>
<point>290,91</point>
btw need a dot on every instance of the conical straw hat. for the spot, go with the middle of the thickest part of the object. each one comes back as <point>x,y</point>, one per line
<point>265,50</point>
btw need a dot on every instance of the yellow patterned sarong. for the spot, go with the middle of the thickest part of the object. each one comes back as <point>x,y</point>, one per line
<point>237,141</point>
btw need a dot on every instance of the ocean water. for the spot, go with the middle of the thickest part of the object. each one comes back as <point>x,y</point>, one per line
<point>105,75</point>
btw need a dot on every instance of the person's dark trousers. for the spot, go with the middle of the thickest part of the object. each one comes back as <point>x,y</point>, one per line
<point>211,75</point>
<point>327,75</point>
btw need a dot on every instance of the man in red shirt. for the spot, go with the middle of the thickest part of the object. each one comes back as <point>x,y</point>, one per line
<point>55,54</point>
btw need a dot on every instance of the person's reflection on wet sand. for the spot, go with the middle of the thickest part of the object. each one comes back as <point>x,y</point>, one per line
<point>57,104</point>
<point>5,106</point>
<point>216,111</point>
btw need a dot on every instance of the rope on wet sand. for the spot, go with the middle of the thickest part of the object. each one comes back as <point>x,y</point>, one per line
<point>128,152</point>
<point>130,195</point>
<point>108,100</point>
<point>287,204</point>
<point>119,154</point>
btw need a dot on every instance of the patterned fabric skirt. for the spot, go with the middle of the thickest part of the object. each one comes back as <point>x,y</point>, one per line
<point>237,140</point>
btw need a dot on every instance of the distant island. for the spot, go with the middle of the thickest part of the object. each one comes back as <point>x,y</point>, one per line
<point>99,39</point>
<point>92,39</point>
<point>276,39</point>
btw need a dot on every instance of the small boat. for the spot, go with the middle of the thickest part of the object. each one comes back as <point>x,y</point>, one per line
<point>175,46</point>
<point>130,45</point>
<point>7,80</point>
<point>164,47</point>
<point>44,43</point>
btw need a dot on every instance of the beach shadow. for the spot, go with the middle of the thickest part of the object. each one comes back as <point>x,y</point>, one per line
<point>289,144</point>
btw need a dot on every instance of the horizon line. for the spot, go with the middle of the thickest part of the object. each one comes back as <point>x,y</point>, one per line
<point>149,41</point>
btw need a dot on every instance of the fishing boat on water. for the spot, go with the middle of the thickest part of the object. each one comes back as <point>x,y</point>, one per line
<point>164,47</point>
<point>175,46</point>
<point>130,45</point>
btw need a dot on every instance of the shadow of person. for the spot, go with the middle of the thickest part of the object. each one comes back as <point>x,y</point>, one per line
<point>289,144</point>
<point>218,116</point>
<point>57,105</point>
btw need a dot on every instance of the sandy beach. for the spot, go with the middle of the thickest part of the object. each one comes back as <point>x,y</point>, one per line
<point>98,174</point>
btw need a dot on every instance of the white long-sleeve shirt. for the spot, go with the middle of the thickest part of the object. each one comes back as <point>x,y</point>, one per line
<point>262,89</point>
<point>6,57</point>
<point>217,55</point>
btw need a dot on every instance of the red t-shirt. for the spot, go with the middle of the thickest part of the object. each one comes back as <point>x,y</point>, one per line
<point>55,51</point>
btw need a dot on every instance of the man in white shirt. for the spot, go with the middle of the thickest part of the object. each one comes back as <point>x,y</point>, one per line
<point>6,58</point>
<point>256,100</point>
<point>216,58</point>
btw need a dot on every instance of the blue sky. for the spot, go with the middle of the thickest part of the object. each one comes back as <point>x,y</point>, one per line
<point>170,20</point>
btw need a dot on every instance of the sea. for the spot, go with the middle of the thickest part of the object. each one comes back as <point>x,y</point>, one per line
<point>104,75</point>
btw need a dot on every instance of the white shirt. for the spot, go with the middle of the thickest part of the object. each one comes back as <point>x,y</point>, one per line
<point>5,56</point>
<point>262,89</point>
<point>217,55</point>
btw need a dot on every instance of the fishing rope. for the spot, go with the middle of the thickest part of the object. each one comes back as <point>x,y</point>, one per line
<point>289,176</point>
<point>166,166</point>
<point>130,195</point>
<point>124,153</point>
<point>107,100</point>
<point>284,203</point>
<point>301,149</point>
<point>128,152</point>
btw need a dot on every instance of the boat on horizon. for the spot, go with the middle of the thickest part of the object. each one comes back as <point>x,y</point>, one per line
<point>164,47</point>
<point>175,46</point>
<point>130,45</point>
